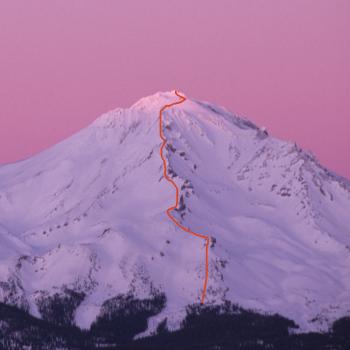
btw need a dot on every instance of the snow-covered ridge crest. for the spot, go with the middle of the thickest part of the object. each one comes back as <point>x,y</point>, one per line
<point>146,107</point>
<point>156,101</point>
<point>91,211</point>
<point>108,120</point>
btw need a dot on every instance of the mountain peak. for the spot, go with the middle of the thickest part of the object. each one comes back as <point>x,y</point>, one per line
<point>156,100</point>
<point>145,107</point>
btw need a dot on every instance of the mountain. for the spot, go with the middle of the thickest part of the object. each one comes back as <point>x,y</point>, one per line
<point>83,228</point>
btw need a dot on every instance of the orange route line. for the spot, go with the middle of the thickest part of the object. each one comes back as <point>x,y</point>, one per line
<point>169,210</point>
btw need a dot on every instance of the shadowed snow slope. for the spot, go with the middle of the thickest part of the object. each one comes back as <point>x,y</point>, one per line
<point>89,215</point>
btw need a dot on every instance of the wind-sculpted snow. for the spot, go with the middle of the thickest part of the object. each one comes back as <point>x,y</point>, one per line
<point>87,216</point>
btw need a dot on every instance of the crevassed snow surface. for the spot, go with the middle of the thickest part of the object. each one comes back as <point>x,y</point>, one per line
<point>89,214</point>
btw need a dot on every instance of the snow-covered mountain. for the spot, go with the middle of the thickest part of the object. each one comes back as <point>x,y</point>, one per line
<point>88,215</point>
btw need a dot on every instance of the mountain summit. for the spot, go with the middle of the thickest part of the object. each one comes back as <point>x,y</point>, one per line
<point>85,222</point>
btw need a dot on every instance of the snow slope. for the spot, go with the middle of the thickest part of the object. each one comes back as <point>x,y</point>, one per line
<point>89,214</point>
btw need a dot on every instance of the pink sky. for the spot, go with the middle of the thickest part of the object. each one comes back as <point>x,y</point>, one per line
<point>284,64</point>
